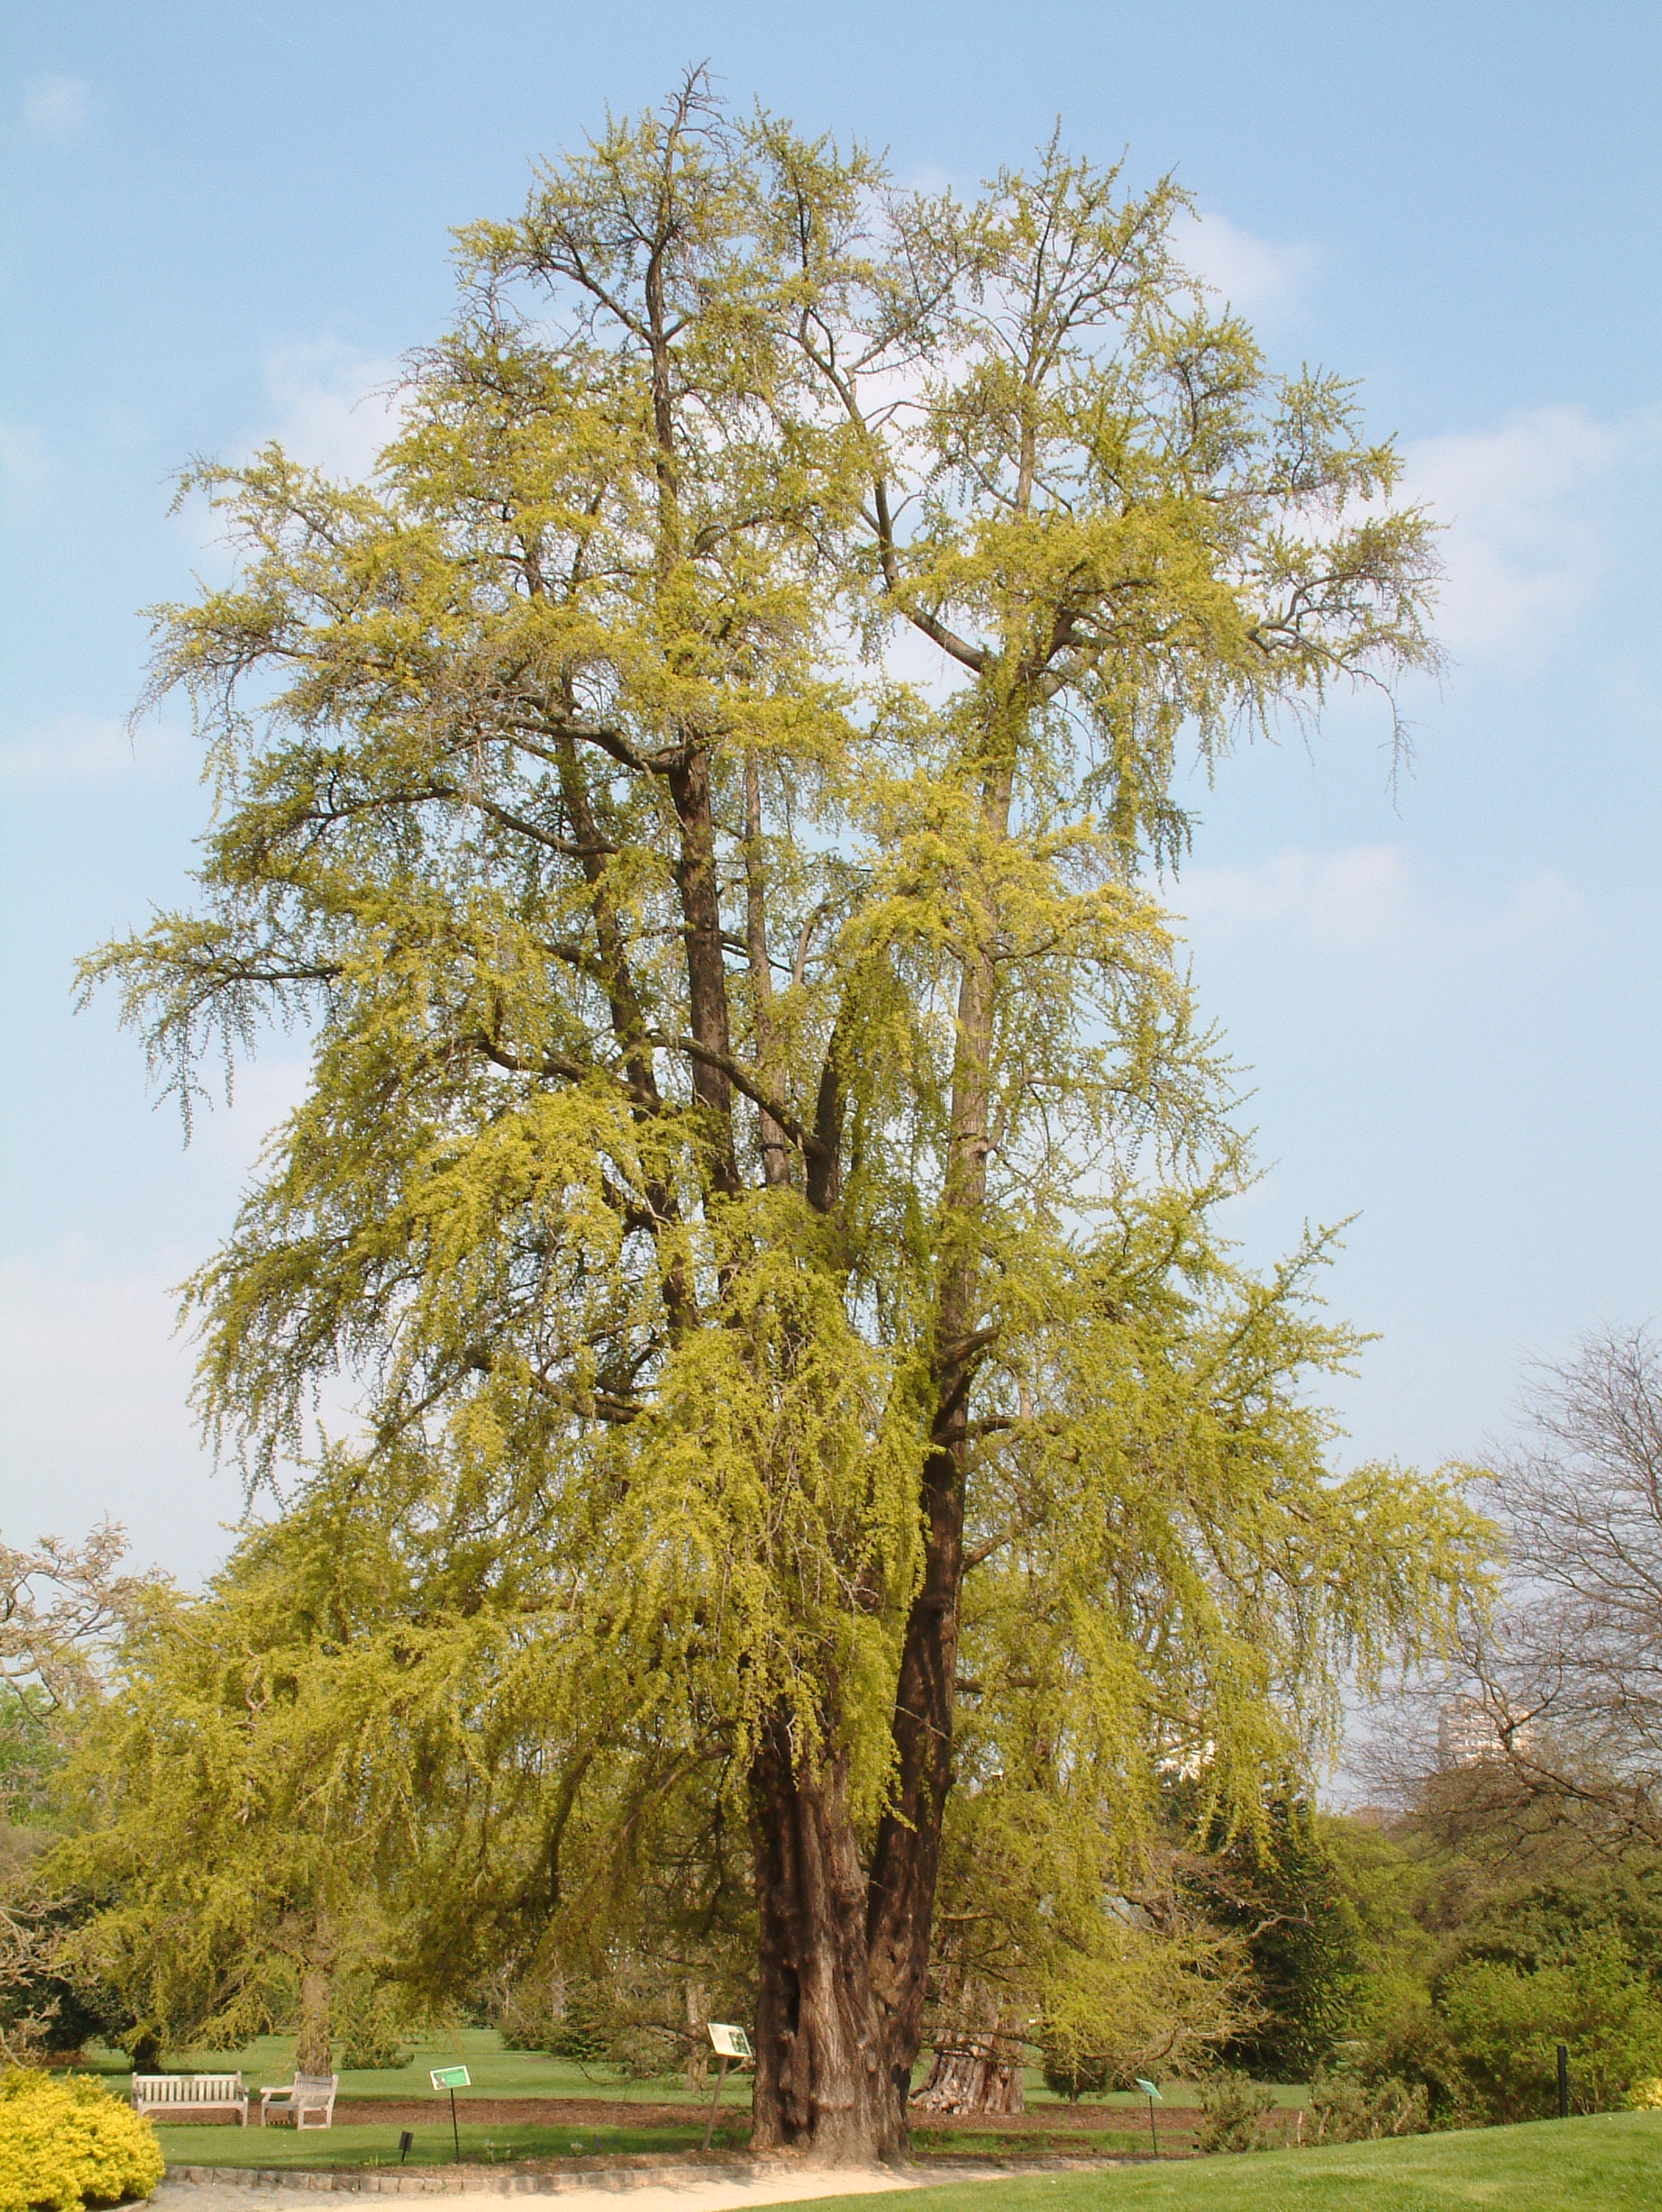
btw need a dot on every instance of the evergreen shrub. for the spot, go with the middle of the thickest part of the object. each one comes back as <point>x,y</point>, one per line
<point>1233,2109</point>
<point>65,2145</point>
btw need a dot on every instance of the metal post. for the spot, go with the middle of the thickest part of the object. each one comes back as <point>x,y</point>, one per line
<point>405,2142</point>
<point>1154,2133</point>
<point>1563,2081</point>
<point>456,2133</point>
<point>710,2124</point>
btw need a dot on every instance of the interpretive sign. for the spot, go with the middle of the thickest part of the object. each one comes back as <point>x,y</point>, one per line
<point>451,2078</point>
<point>730,2042</point>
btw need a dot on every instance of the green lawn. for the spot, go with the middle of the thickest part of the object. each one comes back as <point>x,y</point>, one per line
<point>1613,2164</point>
<point>482,2143</point>
<point>496,2072</point>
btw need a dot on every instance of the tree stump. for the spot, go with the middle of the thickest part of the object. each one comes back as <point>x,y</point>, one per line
<point>972,2074</point>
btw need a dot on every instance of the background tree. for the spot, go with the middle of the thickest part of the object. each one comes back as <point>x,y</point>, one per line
<point>1569,1676</point>
<point>239,1803</point>
<point>60,1604</point>
<point>758,1149</point>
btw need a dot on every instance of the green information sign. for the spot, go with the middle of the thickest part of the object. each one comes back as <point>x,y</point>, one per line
<point>451,2078</point>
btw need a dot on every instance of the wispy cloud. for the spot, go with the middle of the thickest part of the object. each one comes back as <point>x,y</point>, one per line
<point>86,749</point>
<point>1367,897</point>
<point>266,1091</point>
<point>332,408</point>
<point>93,1412</point>
<point>1257,275</point>
<point>25,467</point>
<point>96,1416</point>
<point>56,108</point>
<point>1531,531</point>
<point>329,406</point>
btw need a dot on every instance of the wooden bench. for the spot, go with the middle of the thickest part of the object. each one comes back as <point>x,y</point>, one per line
<point>308,2099</point>
<point>183,2096</point>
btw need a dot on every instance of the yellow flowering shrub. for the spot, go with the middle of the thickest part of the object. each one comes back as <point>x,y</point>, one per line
<point>1646,2096</point>
<point>64,2144</point>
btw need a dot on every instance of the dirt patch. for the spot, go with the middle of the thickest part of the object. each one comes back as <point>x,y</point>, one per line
<point>1050,2128</point>
<point>590,2113</point>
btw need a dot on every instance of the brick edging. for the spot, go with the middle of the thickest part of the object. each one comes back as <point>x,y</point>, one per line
<point>451,2181</point>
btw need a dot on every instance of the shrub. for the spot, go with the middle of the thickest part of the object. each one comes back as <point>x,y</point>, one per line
<point>367,2030</point>
<point>1645,2097</point>
<point>1233,2107</point>
<point>65,2143</point>
<point>1344,2110</point>
<point>1506,2024</point>
<point>1073,2073</point>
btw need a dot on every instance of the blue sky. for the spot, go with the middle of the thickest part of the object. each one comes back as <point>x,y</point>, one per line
<point>225,223</point>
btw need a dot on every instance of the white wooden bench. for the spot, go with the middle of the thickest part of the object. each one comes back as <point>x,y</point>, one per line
<point>308,2099</point>
<point>183,2096</point>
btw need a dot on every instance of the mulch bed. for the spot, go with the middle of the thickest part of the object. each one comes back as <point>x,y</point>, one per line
<point>589,2112</point>
<point>599,2114</point>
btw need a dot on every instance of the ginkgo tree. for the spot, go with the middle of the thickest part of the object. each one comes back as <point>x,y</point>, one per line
<point>703,794</point>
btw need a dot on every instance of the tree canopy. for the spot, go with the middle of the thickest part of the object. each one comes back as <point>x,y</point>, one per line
<point>701,797</point>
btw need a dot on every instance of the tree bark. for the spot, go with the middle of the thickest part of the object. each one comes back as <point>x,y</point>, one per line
<point>905,1859</point>
<point>979,2073</point>
<point>311,2047</point>
<point>823,2083</point>
<point>700,887</point>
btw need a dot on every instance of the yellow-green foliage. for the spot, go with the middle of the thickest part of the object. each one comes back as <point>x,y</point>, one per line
<point>1646,2096</point>
<point>743,1079</point>
<point>64,2144</point>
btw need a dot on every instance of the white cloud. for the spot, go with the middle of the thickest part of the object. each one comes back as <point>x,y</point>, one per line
<point>26,468</point>
<point>1351,897</point>
<point>56,108</point>
<point>266,1092</point>
<point>333,409</point>
<point>82,749</point>
<point>93,1418</point>
<point>1530,536</point>
<point>1253,274</point>
<point>329,407</point>
<point>1367,897</point>
<point>94,1413</point>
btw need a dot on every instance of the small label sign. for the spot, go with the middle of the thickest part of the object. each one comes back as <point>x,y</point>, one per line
<point>728,2041</point>
<point>450,2077</point>
<point>1149,2090</point>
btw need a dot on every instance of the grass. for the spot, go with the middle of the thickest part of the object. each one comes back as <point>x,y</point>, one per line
<point>989,2142</point>
<point>499,2072</point>
<point>482,2143</point>
<point>532,2074</point>
<point>1611,2163</point>
<point>496,2071</point>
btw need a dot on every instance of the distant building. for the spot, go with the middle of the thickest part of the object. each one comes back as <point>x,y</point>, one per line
<point>1469,1731</point>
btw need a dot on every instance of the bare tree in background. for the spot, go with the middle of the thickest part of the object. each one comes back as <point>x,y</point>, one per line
<point>57,1604</point>
<point>1549,1718</point>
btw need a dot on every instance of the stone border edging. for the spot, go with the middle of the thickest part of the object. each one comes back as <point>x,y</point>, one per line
<point>452,2181</point>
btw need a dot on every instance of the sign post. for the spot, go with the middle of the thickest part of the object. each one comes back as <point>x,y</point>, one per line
<point>451,2078</point>
<point>728,2043</point>
<point>1153,2097</point>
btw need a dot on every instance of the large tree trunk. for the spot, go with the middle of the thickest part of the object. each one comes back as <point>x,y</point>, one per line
<point>314,1953</point>
<point>823,2080</point>
<point>311,2045</point>
<point>973,2073</point>
<point>906,1862</point>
